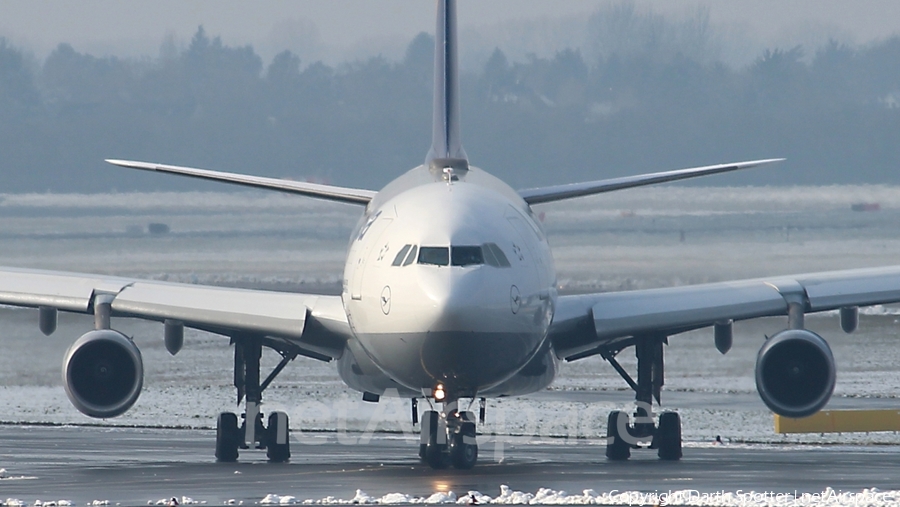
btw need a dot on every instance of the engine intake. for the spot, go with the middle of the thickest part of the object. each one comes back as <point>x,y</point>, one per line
<point>103,373</point>
<point>795,373</point>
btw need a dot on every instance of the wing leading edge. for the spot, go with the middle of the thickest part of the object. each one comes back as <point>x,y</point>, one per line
<point>572,190</point>
<point>327,192</point>
<point>316,324</point>
<point>585,322</point>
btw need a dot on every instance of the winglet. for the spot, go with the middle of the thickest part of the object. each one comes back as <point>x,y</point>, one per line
<point>445,139</point>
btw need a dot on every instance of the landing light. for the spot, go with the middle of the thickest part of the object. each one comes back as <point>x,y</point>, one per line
<point>439,393</point>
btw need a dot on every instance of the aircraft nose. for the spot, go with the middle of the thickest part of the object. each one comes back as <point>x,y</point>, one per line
<point>473,339</point>
<point>454,325</point>
<point>455,299</point>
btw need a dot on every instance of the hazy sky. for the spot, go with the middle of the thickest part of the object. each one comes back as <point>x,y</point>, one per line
<point>335,29</point>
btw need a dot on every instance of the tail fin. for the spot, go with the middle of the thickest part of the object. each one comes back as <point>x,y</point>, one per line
<point>445,141</point>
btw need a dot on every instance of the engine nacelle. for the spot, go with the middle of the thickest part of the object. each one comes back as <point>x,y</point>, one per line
<point>795,373</point>
<point>103,373</point>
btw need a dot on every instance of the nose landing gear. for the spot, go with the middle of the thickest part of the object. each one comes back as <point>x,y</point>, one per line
<point>448,438</point>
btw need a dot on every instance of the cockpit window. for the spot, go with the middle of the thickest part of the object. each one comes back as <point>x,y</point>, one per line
<point>401,255</point>
<point>466,255</point>
<point>411,257</point>
<point>435,255</point>
<point>495,256</point>
<point>488,253</point>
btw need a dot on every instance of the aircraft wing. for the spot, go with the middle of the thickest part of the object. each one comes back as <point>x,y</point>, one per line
<point>317,325</point>
<point>585,324</point>
<point>327,192</point>
<point>569,191</point>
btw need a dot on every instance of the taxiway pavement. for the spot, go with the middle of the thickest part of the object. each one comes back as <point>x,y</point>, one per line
<point>134,466</point>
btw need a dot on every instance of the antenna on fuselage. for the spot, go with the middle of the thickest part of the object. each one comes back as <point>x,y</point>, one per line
<point>445,140</point>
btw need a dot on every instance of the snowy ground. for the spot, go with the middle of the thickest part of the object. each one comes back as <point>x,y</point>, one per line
<point>639,238</point>
<point>545,496</point>
<point>872,497</point>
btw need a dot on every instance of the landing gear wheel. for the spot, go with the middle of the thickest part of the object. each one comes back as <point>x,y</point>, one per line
<point>436,456</point>
<point>428,427</point>
<point>617,449</point>
<point>430,450</point>
<point>278,438</point>
<point>669,436</point>
<point>228,437</point>
<point>463,448</point>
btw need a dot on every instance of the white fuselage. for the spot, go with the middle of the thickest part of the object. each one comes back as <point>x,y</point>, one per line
<point>430,300</point>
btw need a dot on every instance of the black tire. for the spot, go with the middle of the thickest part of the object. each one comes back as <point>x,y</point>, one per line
<point>228,438</point>
<point>463,449</point>
<point>669,436</point>
<point>617,449</point>
<point>278,438</point>
<point>428,425</point>
<point>435,454</point>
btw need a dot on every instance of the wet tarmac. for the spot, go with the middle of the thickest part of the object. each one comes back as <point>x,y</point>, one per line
<point>137,466</point>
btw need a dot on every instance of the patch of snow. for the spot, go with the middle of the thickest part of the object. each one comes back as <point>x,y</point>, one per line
<point>272,499</point>
<point>394,499</point>
<point>362,498</point>
<point>174,501</point>
<point>439,498</point>
<point>4,476</point>
<point>545,496</point>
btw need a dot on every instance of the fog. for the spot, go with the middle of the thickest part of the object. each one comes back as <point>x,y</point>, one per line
<point>338,30</point>
<point>340,91</point>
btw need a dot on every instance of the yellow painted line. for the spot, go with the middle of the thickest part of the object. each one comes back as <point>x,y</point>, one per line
<point>840,421</point>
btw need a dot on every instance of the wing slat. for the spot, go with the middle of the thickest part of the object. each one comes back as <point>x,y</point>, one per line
<point>312,322</point>
<point>266,313</point>
<point>674,310</point>
<point>71,292</point>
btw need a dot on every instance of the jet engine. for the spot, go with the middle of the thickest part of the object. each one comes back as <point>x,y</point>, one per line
<point>795,373</point>
<point>103,373</point>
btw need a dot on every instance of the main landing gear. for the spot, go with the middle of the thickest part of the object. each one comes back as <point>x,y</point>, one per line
<point>448,437</point>
<point>624,435</point>
<point>274,436</point>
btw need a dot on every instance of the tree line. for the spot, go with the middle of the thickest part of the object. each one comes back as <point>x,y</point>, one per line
<point>833,111</point>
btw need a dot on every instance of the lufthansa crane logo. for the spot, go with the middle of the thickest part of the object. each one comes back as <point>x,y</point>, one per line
<point>386,300</point>
<point>515,300</point>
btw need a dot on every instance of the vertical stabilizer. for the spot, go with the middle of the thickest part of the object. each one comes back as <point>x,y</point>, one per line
<point>445,141</point>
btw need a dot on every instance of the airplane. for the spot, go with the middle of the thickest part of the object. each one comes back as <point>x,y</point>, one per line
<point>449,293</point>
